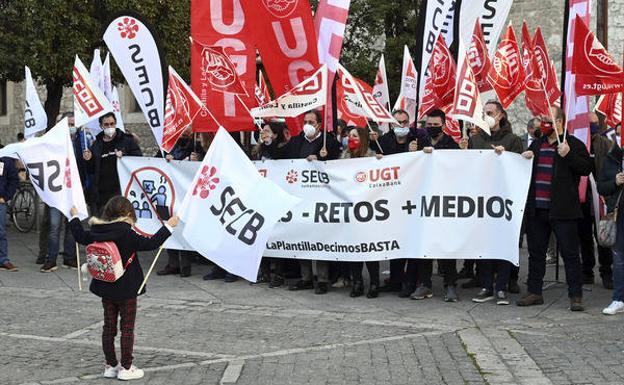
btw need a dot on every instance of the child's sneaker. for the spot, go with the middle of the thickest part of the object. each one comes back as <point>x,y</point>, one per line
<point>133,373</point>
<point>111,371</point>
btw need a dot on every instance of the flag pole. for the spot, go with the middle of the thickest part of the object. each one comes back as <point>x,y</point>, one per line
<point>78,266</point>
<point>551,113</point>
<point>150,270</point>
<point>370,130</point>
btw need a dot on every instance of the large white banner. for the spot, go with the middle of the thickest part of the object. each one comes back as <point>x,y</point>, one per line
<point>449,204</point>
<point>35,118</point>
<point>493,16</point>
<point>132,45</point>
<point>52,168</point>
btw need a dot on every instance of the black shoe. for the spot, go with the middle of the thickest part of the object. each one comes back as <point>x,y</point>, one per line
<point>40,260</point>
<point>407,290</point>
<point>471,284</point>
<point>607,282</point>
<point>70,264</point>
<point>390,287</point>
<point>513,287</point>
<point>48,267</point>
<point>168,270</point>
<point>185,272</point>
<point>588,279</point>
<point>373,292</point>
<point>465,274</point>
<point>301,285</point>
<point>276,281</point>
<point>215,273</point>
<point>321,288</point>
<point>230,278</point>
<point>357,290</point>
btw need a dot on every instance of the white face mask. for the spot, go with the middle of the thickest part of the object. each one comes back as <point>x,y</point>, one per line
<point>345,141</point>
<point>491,122</point>
<point>309,130</point>
<point>401,132</point>
<point>72,130</point>
<point>110,131</point>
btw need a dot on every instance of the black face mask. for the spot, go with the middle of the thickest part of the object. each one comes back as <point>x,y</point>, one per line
<point>434,131</point>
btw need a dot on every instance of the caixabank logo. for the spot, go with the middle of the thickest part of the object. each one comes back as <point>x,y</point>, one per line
<point>308,178</point>
<point>379,177</point>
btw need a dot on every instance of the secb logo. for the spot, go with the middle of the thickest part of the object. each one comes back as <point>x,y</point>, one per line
<point>308,178</point>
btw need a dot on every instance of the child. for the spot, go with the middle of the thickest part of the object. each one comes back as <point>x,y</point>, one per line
<point>119,298</point>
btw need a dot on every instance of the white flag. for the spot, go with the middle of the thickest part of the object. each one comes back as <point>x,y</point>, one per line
<point>107,83</point>
<point>117,109</point>
<point>305,96</point>
<point>89,101</point>
<point>35,117</point>
<point>467,105</point>
<point>409,79</point>
<point>96,70</point>
<point>492,16</point>
<point>52,169</point>
<point>380,90</point>
<point>229,209</point>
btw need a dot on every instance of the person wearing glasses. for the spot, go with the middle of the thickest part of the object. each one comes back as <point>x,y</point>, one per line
<point>101,158</point>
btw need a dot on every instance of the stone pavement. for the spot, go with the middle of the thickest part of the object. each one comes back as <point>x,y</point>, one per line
<point>191,331</point>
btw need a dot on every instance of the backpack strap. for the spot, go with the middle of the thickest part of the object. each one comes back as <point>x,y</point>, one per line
<point>129,261</point>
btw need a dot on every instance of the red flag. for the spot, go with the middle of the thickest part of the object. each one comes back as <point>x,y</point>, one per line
<point>479,58</point>
<point>283,31</point>
<point>596,71</point>
<point>467,102</point>
<point>219,71</point>
<point>347,104</point>
<point>535,92</point>
<point>262,90</point>
<point>546,68</point>
<point>452,127</point>
<point>226,24</point>
<point>506,75</point>
<point>181,107</point>
<point>610,105</point>
<point>440,84</point>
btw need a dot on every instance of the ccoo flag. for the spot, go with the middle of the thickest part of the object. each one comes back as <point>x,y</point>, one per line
<point>89,101</point>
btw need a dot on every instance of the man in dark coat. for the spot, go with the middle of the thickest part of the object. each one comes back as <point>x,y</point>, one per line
<point>553,204</point>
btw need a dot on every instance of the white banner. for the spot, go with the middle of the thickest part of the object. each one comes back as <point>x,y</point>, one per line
<point>35,118</point>
<point>89,101</point>
<point>52,168</point>
<point>96,70</point>
<point>435,23</point>
<point>493,16</point>
<point>412,205</point>
<point>407,95</point>
<point>380,90</point>
<point>230,209</point>
<point>133,47</point>
<point>305,96</point>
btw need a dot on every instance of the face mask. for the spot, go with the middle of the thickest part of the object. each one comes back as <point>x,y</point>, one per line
<point>594,127</point>
<point>434,131</point>
<point>401,132</point>
<point>309,130</point>
<point>491,122</point>
<point>546,128</point>
<point>345,141</point>
<point>110,131</point>
<point>354,143</point>
<point>72,130</point>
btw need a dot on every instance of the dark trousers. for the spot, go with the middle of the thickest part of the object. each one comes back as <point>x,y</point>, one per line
<point>421,270</point>
<point>180,259</point>
<point>514,272</point>
<point>587,231</point>
<point>397,271</point>
<point>495,267</point>
<point>126,310</point>
<point>373,271</point>
<point>538,234</point>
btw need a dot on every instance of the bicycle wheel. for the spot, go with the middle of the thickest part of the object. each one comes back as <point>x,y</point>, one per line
<point>24,209</point>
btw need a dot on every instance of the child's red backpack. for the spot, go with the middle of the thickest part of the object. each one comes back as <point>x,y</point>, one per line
<point>104,261</point>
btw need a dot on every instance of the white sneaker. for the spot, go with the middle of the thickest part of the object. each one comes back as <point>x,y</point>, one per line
<point>111,371</point>
<point>133,373</point>
<point>614,308</point>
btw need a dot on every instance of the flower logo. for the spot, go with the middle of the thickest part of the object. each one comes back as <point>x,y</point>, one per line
<point>206,182</point>
<point>128,28</point>
<point>68,181</point>
<point>292,176</point>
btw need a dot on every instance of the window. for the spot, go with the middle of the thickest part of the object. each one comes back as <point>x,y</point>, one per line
<point>3,97</point>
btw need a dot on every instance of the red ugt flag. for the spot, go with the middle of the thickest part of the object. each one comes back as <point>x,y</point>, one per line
<point>440,84</point>
<point>479,58</point>
<point>535,92</point>
<point>506,75</point>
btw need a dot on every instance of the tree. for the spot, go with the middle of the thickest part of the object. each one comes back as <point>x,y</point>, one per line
<point>46,36</point>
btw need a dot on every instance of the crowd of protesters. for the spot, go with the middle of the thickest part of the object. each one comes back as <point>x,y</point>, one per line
<point>557,222</point>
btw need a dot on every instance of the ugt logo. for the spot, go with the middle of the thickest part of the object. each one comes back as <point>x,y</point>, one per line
<point>206,182</point>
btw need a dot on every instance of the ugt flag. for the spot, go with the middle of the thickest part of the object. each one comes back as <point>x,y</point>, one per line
<point>230,209</point>
<point>52,169</point>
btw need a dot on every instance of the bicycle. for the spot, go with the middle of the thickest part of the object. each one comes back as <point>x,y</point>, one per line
<point>22,209</point>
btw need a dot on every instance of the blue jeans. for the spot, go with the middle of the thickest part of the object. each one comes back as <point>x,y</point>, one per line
<point>4,252</point>
<point>54,234</point>
<point>618,261</point>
